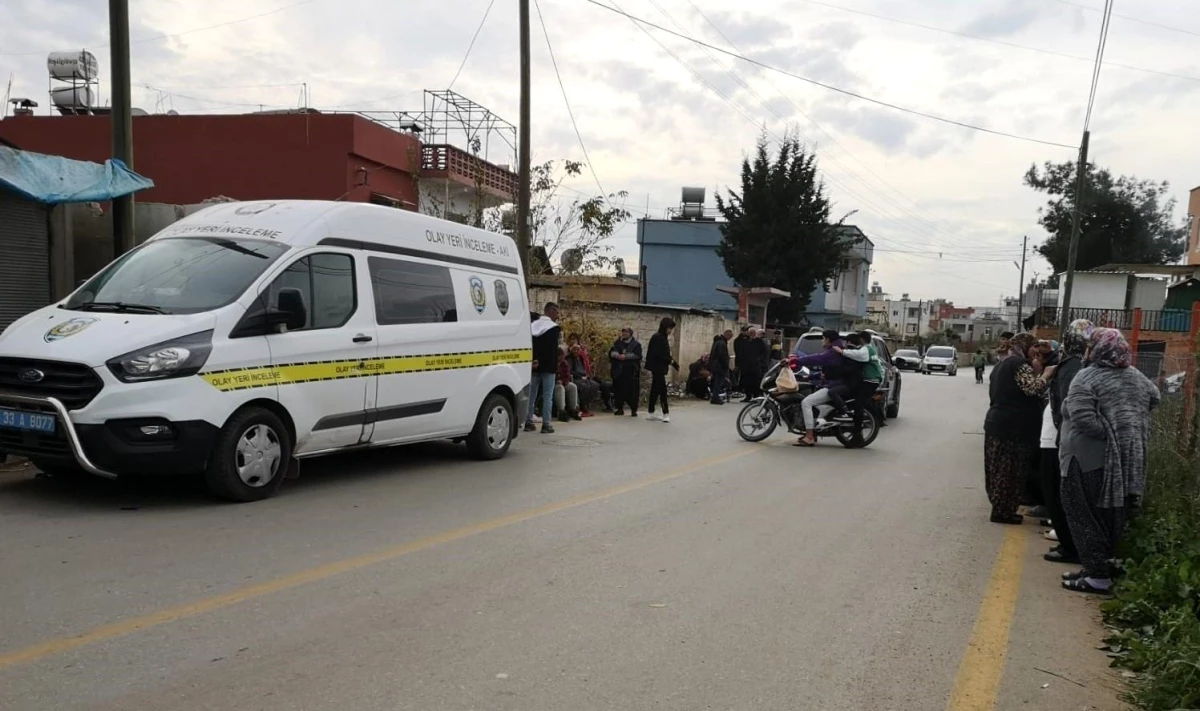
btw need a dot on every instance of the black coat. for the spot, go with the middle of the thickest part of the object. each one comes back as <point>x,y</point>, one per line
<point>718,357</point>
<point>1013,415</point>
<point>757,354</point>
<point>658,354</point>
<point>633,358</point>
<point>740,347</point>
<point>545,350</point>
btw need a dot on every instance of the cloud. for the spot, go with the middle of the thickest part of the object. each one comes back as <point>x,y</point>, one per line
<point>1011,19</point>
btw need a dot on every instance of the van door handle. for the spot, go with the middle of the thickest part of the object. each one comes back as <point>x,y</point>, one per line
<point>362,338</point>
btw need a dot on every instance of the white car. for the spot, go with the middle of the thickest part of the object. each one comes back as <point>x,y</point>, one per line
<point>248,336</point>
<point>940,359</point>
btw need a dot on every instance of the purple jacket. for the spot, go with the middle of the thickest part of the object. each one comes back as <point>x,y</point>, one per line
<point>826,359</point>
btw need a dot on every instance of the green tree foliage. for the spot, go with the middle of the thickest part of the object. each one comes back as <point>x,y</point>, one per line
<point>777,229</point>
<point>1123,219</point>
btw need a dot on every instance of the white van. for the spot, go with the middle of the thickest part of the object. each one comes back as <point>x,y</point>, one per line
<point>250,335</point>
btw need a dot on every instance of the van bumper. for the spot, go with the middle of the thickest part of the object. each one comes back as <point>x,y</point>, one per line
<point>522,407</point>
<point>175,448</point>
<point>118,446</point>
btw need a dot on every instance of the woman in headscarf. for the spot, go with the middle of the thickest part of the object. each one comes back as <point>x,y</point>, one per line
<point>1013,426</point>
<point>1105,437</point>
<point>1074,347</point>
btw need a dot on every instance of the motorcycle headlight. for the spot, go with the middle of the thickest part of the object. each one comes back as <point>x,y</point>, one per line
<point>171,359</point>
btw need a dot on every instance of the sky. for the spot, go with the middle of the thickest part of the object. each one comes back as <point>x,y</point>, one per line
<point>944,205</point>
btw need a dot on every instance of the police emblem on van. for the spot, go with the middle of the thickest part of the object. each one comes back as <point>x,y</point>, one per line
<point>254,208</point>
<point>69,328</point>
<point>478,295</point>
<point>502,297</point>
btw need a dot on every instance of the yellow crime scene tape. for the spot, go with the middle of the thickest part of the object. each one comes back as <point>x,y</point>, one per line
<point>295,373</point>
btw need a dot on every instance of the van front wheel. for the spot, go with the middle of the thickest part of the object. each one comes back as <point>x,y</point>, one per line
<point>493,432</point>
<point>251,457</point>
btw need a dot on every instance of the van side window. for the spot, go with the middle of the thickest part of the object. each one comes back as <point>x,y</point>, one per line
<point>327,283</point>
<point>411,292</point>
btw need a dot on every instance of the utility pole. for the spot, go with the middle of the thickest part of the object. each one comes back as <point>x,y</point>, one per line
<point>122,119</point>
<point>1073,252</point>
<point>1021,286</point>
<point>523,168</point>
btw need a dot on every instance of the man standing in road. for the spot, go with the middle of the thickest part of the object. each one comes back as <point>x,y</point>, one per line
<point>979,361</point>
<point>626,357</point>
<point>718,365</point>
<point>546,335</point>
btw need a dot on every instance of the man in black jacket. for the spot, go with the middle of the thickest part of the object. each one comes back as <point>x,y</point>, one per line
<point>741,348</point>
<point>718,365</point>
<point>626,357</point>
<point>546,334</point>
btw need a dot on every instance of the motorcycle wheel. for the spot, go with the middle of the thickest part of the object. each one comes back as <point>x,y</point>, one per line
<point>870,430</point>
<point>757,420</point>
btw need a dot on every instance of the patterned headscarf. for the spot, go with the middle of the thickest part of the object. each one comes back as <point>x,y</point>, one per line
<point>1020,344</point>
<point>1110,349</point>
<point>1077,337</point>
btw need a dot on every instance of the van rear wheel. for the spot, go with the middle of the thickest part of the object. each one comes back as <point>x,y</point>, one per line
<point>493,432</point>
<point>251,457</point>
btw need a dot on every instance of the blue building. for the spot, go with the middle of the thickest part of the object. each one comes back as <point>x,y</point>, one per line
<point>680,267</point>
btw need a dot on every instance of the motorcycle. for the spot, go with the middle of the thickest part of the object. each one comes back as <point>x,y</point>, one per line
<point>762,415</point>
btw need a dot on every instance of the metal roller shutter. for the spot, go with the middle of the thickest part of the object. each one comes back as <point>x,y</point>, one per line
<point>24,257</point>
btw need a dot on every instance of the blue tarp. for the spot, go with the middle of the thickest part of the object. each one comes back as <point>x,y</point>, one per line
<point>54,179</point>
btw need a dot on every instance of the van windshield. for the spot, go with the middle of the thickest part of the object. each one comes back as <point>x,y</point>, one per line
<point>940,353</point>
<point>181,275</point>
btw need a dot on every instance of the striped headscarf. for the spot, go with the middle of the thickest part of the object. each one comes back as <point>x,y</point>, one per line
<point>1110,349</point>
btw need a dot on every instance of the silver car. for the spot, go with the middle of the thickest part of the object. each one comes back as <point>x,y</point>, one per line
<point>940,359</point>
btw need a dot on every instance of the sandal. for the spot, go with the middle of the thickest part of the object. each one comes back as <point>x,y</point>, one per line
<point>1057,556</point>
<point>804,443</point>
<point>1010,519</point>
<point>1082,585</point>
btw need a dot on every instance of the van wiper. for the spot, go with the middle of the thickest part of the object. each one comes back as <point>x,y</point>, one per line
<point>230,244</point>
<point>118,306</point>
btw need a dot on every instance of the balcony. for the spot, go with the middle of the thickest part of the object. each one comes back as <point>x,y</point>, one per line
<point>468,174</point>
<point>1168,320</point>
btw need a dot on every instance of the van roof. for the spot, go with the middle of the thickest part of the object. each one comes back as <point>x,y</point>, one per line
<point>307,223</point>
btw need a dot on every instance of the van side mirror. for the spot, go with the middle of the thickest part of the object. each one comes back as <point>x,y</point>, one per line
<point>292,312</point>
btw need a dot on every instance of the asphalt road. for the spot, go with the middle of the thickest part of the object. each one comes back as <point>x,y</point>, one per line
<point>619,564</point>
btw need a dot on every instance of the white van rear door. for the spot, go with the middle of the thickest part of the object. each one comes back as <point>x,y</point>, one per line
<point>326,369</point>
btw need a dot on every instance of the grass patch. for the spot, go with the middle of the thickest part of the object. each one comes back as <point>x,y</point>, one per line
<point>1155,611</point>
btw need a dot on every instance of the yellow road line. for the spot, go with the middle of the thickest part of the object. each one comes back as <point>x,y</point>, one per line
<point>322,572</point>
<point>982,666</point>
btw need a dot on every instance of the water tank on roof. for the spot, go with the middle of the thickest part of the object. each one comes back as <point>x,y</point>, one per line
<point>68,66</point>
<point>73,97</point>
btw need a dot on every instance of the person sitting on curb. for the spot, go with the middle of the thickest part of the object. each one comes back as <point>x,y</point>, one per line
<point>590,388</point>
<point>566,392</point>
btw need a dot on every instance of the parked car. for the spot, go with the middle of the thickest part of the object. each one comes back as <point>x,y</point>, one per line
<point>940,359</point>
<point>811,343</point>
<point>907,359</point>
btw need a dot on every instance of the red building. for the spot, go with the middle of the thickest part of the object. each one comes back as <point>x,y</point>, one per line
<point>299,155</point>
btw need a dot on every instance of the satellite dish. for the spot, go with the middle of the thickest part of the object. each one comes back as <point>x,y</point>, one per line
<point>571,260</point>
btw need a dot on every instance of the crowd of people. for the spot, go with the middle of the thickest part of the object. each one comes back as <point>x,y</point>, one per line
<point>566,384</point>
<point>1067,432</point>
<point>718,373</point>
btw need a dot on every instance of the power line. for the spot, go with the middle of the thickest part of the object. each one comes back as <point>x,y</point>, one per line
<point>833,138</point>
<point>1130,18</point>
<point>171,35</point>
<point>1104,25</point>
<point>830,87</point>
<point>562,87</point>
<point>471,46</point>
<point>993,40</point>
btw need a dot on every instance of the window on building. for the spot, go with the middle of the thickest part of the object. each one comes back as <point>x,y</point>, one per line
<point>326,281</point>
<point>914,312</point>
<point>411,292</point>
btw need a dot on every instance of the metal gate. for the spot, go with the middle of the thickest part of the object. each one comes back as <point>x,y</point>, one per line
<point>24,257</point>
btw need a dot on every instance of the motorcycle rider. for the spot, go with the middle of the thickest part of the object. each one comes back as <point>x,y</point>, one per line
<point>860,349</point>
<point>840,376</point>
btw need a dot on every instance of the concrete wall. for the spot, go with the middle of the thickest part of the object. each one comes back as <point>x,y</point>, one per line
<point>1148,294</point>
<point>1097,291</point>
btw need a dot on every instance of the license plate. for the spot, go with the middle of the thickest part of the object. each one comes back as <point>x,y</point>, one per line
<point>31,421</point>
<point>936,367</point>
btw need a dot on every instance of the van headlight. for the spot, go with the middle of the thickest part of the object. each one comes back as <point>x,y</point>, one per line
<point>171,359</point>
